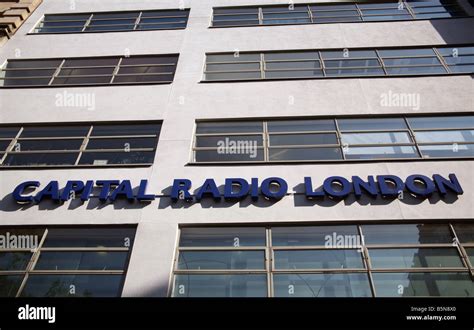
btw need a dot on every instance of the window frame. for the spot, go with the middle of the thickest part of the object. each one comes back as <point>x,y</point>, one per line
<point>89,19</point>
<point>35,254</point>
<point>363,248</point>
<point>358,18</point>
<point>83,148</point>
<point>340,145</point>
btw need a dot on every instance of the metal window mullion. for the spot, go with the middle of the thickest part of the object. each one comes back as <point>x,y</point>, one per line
<point>32,263</point>
<point>379,58</point>
<point>462,252</point>
<point>322,65</point>
<point>359,11</point>
<point>442,61</point>
<point>260,16</point>
<point>137,21</point>
<point>12,144</point>
<point>368,265</point>
<point>56,73</point>
<point>266,142</point>
<point>83,145</point>
<point>411,132</point>
<point>116,70</point>
<point>262,66</point>
<point>339,138</point>
<point>87,23</point>
<point>310,14</point>
<point>269,262</point>
<point>408,8</point>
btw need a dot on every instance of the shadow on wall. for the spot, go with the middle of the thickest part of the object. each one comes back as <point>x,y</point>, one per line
<point>455,31</point>
<point>8,204</point>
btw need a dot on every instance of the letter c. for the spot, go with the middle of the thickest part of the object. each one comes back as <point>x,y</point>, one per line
<point>20,189</point>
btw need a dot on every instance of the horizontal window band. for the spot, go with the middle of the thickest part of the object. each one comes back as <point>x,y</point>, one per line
<point>26,167</point>
<point>66,151</point>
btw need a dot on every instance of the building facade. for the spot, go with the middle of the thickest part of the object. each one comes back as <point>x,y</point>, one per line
<point>348,130</point>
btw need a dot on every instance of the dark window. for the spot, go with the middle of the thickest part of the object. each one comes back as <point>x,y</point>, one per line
<point>146,69</point>
<point>114,21</point>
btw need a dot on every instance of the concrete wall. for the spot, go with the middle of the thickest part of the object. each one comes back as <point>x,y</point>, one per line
<point>151,261</point>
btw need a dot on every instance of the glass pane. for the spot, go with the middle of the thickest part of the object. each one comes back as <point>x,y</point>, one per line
<point>441,122</point>
<point>27,73</point>
<point>39,159</point>
<point>292,65</point>
<point>293,74</point>
<point>285,9</point>
<point>450,150</point>
<point>98,61</point>
<point>54,131</point>
<point>240,17</point>
<point>25,64</point>
<point>8,132</point>
<point>375,138</point>
<point>445,136</point>
<point>340,54</point>
<point>371,124</point>
<point>229,127</point>
<point>355,72</point>
<point>302,139</point>
<point>417,70</point>
<point>224,237</point>
<point>462,68</point>
<point>233,75</point>
<point>14,260</point>
<point>84,286</point>
<point>86,72</point>
<point>81,80</point>
<point>286,15</point>
<point>336,19</point>
<point>108,158</point>
<point>415,258</point>
<point>86,237</point>
<point>180,25</point>
<point>318,14</point>
<point>406,52</point>
<point>278,56</point>
<point>221,260</point>
<point>165,13</point>
<point>4,144</point>
<point>316,235</point>
<point>383,12</point>
<point>81,261</point>
<point>451,51</point>
<point>423,284</point>
<point>109,16</point>
<point>125,130</point>
<point>318,259</point>
<point>98,22</point>
<point>351,63</point>
<point>233,67</point>
<point>233,57</point>
<point>220,286</point>
<point>470,254</point>
<point>72,17</point>
<point>9,285</point>
<point>24,145</point>
<point>143,60</point>
<point>464,232</point>
<point>381,152</point>
<point>242,142</point>
<point>322,153</point>
<point>287,21</point>
<point>235,10</point>
<point>301,125</point>
<point>411,61</point>
<point>123,143</point>
<point>321,285</point>
<point>234,23</point>
<point>323,7</point>
<point>230,155</point>
<point>406,234</point>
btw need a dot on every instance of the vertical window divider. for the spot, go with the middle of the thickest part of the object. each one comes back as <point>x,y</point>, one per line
<point>441,60</point>
<point>269,261</point>
<point>310,13</point>
<point>381,62</point>
<point>137,21</point>
<point>260,16</point>
<point>368,266</point>
<point>87,23</point>
<point>12,144</point>
<point>359,11</point>
<point>83,145</point>
<point>32,263</point>
<point>262,66</point>
<point>412,135</point>
<point>117,67</point>
<point>56,73</point>
<point>409,9</point>
<point>266,142</point>
<point>321,63</point>
<point>461,250</point>
<point>339,139</point>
